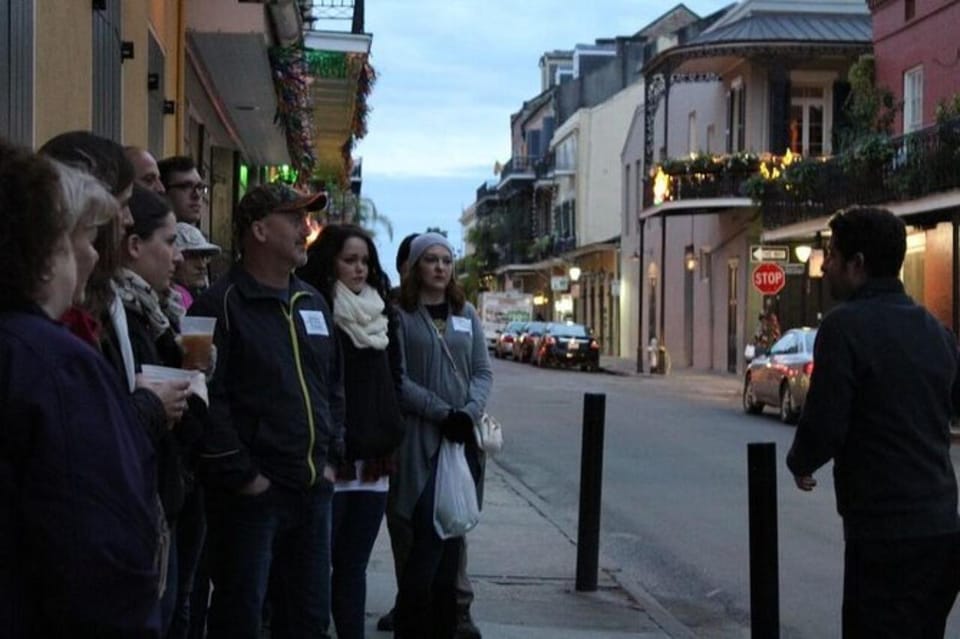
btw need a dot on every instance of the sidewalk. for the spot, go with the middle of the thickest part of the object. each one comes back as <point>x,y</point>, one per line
<point>626,366</point>
<point>523,569</point>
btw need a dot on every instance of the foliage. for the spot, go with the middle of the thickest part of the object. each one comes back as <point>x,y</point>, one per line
<point>869,109</point>
<point>346,208</point>
<point>948,109</point>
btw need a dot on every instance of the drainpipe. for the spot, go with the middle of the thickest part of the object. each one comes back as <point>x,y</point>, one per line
<point>640,280</point>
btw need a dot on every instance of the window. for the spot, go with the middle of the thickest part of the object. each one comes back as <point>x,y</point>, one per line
<point>736,117</point>
<point>16,70</point>
<point>913,99</point>
<point>807,131</point>
<point>692,145</point>
<point>909,10</point>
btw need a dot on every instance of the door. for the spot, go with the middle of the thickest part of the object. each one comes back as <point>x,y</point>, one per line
<point>688,310</point>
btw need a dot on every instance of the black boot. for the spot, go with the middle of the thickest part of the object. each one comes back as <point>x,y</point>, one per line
<point>385,623</point>
<point>466,629</point>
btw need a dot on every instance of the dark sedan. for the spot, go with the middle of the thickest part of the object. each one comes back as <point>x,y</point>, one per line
<point>781,377</point>
<point>567,345</point>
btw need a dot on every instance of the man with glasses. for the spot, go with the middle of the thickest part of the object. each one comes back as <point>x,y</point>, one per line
<point>184,186</point>
<point>881,398</point>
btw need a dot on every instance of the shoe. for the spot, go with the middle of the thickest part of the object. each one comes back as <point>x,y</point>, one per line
<point>466,629</point>
<point>385,623</point>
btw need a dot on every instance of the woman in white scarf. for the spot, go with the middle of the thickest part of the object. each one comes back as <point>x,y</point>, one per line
<point>344,266</point>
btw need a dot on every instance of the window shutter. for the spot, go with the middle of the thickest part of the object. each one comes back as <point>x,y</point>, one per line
<point>107,96</point>
<point>16,71</point>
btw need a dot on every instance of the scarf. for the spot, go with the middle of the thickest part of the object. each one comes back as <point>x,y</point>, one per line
<point>83,325</point>
<point>360,315</point>
<point>137,296</point>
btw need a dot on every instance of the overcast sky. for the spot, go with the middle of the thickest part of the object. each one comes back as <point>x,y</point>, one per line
<point>450,74</point>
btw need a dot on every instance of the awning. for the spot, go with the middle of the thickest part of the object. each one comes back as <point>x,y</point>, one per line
<point>696,207</point>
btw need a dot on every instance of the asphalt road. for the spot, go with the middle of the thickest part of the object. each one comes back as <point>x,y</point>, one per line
<point>675,516</point>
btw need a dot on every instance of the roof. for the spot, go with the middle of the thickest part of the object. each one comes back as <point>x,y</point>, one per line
<point>796,27</point>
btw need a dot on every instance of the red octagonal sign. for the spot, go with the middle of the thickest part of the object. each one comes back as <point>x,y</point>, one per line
<point>769,278</point>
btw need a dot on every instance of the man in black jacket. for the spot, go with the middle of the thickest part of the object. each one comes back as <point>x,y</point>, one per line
<point>276,428</point>
<point>881,398</point>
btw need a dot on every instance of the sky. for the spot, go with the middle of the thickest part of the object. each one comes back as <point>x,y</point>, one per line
<point>450,74</point>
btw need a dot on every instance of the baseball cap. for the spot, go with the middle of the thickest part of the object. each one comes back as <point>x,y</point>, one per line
<point>277,197</point>
<point>191,240</point>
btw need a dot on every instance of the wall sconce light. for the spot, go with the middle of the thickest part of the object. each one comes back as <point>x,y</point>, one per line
<point>803,252</point>
<point>539,299</point>
<point>574,273</point>
<point>690,259</point>
<point>815,266</point>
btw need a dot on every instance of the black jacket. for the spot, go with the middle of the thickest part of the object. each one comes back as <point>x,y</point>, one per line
<point>883,391</point>
<point>371,380</point>
<point>276,397</point>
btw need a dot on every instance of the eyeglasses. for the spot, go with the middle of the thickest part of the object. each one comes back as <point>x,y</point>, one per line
<point>433,259</point>
<point>197,187</point>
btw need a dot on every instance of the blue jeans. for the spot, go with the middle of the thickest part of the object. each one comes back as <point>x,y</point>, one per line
<point>283,534</point>
<point>356,521</point>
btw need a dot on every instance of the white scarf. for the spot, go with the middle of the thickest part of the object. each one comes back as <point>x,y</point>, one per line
<point>360,315</point>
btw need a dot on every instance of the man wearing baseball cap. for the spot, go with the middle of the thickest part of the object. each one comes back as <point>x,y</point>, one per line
<point>275,431</point>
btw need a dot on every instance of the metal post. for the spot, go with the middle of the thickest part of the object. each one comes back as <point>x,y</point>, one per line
<point>764,567</point>
<point>640,280</point>
<point>591,478</point>
<point>663,277</point>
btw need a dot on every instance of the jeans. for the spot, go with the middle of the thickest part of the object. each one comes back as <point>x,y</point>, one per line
<point>900,589</point>
<point>356,521</point>
<point>281,538</point>
<point>427,599</point>
<point>190,535</point>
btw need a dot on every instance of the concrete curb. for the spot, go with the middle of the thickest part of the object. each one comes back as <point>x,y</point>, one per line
<point>660,615</point>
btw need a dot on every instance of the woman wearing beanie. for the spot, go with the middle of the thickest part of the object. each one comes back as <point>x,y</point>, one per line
<point>343,265</point>
<point>446,382</point>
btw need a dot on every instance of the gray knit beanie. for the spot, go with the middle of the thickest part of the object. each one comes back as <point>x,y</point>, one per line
<point>422,242</point>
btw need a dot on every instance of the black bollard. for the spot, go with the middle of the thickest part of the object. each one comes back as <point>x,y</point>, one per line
<point>764,561</point>
<point>591,479</point>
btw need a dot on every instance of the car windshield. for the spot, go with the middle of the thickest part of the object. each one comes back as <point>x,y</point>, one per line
<point>514,327</point>
<point>534,327</point>
<point>809,337</point>
<point>569,330</point>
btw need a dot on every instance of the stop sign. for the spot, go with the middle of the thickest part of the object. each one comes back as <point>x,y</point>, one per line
<point>769,278</point>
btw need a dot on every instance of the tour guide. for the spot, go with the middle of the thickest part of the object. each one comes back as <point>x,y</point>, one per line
<point>881,397</point>
<point>276,428</point>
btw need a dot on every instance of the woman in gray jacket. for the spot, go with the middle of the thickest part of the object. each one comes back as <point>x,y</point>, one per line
<point>446,381</point>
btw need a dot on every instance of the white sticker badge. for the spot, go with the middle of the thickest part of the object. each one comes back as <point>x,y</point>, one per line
<point>462,324</point>
<point>315,322</point>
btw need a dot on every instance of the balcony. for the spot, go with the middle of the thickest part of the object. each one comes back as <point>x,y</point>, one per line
<point>543,167</point>
<point>878,171</point>
<point>700,177</point>
<point>520,166</point>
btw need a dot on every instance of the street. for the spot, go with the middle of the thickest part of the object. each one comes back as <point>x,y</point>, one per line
<point>674,516</point>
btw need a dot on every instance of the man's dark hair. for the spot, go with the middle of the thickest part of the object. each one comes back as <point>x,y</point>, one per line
<point>32,222</point>
<point>102,158</point>
<point>174,164</point>
<point>879,235</point>
<point>403,251</point>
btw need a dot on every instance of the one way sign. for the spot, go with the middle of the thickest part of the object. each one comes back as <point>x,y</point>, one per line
<point>761,253</point>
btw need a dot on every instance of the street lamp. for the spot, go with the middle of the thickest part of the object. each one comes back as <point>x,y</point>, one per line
<point>574,273</point>
<point>802,251</point>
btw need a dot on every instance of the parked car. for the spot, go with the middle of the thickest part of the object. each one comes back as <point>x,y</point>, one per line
<point>507,338</point>
<point>526,343</point>
<point>781,376</point>
<point>567,345</point>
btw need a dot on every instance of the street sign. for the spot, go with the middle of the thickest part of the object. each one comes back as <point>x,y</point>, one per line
<point>769,278</point>
<point>763,253</point>
<point>795,269</point>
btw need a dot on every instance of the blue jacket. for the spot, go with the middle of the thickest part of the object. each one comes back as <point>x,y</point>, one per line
<point>276,397</point>
<point>78,512</point>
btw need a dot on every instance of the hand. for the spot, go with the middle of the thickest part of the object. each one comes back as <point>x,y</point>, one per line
<point>457,427</point>
<point>258,486</point>
<point>805,483</point>
<point>172,393</point>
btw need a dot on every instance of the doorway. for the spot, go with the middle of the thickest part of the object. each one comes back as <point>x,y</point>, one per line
<point>733,290</point>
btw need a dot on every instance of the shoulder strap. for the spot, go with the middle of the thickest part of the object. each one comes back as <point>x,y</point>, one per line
<point>446,351</point>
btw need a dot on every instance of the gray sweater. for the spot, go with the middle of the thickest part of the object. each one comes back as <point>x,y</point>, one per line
<point>431,389</point>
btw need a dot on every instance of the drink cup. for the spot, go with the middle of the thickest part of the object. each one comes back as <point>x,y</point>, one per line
<point>196,334</point>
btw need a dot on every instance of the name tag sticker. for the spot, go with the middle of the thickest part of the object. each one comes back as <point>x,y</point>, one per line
<point>315,322</point>
<point>462,324</point>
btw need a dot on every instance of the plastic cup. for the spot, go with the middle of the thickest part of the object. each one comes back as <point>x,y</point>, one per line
<point>196,334</point>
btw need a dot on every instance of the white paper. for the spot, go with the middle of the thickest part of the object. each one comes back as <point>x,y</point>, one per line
<point>198,381</point>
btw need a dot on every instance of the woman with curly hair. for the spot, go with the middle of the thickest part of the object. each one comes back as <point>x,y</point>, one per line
<point>78,524</point>
<point>343,265</point>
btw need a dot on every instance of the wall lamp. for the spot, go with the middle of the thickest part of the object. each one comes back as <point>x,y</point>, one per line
<point>574,273</point>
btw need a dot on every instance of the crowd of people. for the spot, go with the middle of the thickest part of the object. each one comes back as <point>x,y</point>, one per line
<point>152,493</point>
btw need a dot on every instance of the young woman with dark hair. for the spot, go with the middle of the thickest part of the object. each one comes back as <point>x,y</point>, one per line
<point>344,266</point>
<point>447,379</point>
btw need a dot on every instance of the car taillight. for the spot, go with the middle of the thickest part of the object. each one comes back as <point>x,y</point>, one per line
<point>808,368</point>
<point>508,338</point>
<point>594,345</point>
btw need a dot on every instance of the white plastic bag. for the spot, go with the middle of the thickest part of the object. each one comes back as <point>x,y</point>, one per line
<point>455,508</point>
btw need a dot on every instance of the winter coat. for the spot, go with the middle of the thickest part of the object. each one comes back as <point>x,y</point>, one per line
<point>78,518</point>
<point>431,389</point>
